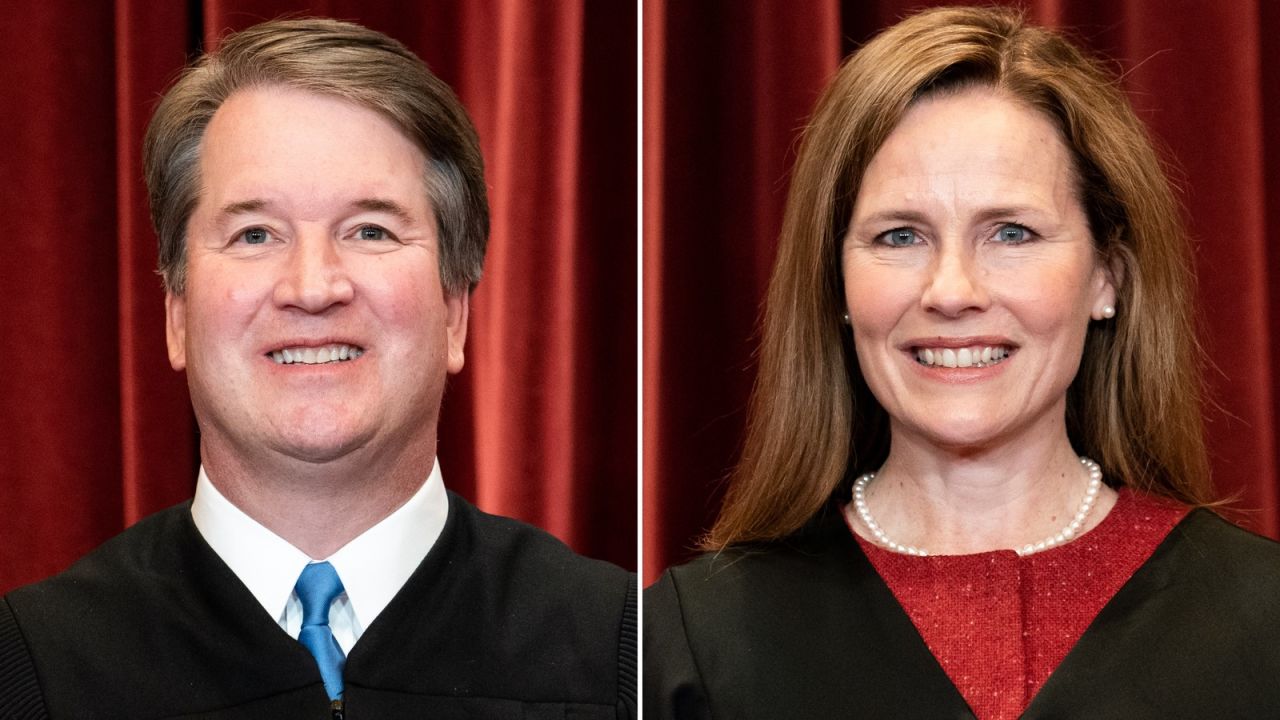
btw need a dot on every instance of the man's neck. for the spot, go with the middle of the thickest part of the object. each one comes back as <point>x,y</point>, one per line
<point>318,507</point>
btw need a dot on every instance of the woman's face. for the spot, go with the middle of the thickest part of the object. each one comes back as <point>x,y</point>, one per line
<point>970,274</point>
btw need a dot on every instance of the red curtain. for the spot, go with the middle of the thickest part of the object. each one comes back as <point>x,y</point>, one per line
<point>96,430</point>
<point>728,85</point>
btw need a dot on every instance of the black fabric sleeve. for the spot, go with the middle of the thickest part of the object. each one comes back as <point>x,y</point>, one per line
<point>627,651</point>
<point>20,696</point>
<point>673,687</point>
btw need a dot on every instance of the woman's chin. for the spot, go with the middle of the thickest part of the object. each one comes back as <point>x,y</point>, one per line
<point>957,432</point>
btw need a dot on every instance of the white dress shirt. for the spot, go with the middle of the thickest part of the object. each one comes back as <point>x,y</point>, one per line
<point>373,566</point>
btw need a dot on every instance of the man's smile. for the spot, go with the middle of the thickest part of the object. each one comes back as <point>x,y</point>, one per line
<point>336,352</point>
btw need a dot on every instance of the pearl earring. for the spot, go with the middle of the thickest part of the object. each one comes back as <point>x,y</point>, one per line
<point>845,318</point>
<point>1108,312</point>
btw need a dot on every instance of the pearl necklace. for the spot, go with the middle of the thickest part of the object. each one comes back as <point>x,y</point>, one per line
<point>1067,533</point>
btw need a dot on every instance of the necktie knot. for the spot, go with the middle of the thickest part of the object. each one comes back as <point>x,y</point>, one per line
<point>317,588</point>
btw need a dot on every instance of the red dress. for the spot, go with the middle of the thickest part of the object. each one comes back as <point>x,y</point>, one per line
<point>998,623</point>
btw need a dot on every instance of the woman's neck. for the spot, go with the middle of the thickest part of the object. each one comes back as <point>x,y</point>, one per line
<point>964,501</point>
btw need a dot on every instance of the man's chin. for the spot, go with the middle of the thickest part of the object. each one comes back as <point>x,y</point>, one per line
<point>319,445</point>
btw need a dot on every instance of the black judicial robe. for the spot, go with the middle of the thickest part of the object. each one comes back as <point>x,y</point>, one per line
<point>499,621</point>
<point>807,629</point>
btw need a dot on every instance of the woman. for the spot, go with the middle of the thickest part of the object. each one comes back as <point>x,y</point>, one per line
<point>974,478</point>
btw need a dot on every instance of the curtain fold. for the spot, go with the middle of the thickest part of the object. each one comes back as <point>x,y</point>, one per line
<point>96,430</point>
<point>728,87</point>
<point>59,477</point>
<point>157,441</point>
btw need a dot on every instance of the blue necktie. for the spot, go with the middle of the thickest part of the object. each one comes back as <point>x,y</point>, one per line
<point>317,588</point>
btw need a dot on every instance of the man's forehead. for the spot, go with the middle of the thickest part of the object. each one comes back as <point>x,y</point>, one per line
<point>274,123</point>
<point>275,147</point>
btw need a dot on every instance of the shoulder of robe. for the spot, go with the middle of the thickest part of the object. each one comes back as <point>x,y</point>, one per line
<point>767,631</point>
<point>1191,635</point>
<point>104,599</point>
<point>521,553</point>
<point>739,574</point>
<point>1233,566</point>
<point>557,586</point>
<point>714,596</point>
<point>146,556</point>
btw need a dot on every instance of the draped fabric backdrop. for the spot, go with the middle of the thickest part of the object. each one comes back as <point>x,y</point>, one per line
<point>728,85</point>
<point>95,428</point>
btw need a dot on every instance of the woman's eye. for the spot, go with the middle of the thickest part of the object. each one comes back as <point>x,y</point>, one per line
<point>371,232</point>
<point>898,237</point>
<point>255,236</point>
<point>1013,234</point>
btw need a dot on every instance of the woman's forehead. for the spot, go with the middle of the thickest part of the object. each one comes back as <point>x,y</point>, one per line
<point>974,147</point>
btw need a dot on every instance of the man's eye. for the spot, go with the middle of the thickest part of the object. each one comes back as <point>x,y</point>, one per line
<point>1012,234</point>
<point>372,232</point>
<point>898,237</point>
<point>254,236</point>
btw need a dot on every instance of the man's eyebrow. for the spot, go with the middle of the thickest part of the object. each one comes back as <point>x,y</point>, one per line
<point>383,205</point>
<point>242,207</point>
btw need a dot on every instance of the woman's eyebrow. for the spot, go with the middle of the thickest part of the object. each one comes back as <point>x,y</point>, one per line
<point>892,215</point>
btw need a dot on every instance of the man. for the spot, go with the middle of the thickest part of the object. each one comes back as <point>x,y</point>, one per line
<point>321,208</point>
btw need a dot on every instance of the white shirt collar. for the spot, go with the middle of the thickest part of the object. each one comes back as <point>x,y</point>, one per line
<point>373,566</point>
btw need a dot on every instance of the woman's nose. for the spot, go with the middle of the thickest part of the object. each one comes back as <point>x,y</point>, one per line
<point>955,283</point>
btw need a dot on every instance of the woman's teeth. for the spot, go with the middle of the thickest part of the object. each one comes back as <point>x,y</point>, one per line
<point>978,356</point>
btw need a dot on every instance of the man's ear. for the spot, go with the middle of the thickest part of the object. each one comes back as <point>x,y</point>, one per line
<point>457,306</point>
<point>175,329</point>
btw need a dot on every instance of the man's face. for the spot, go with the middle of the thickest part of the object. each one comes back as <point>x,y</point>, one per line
<point>314,323</point>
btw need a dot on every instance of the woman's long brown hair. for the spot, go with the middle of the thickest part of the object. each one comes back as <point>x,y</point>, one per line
<point>1134,406</point>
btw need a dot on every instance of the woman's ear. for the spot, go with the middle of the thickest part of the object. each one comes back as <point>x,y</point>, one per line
<point>1109,275</point>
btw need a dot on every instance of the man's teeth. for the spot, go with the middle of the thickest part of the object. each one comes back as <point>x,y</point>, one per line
<point>316,356</point>
<point>979,356</point>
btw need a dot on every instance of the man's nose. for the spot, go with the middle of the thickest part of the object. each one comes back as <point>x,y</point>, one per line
<point>956,283</point>
<point>314,276</point>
